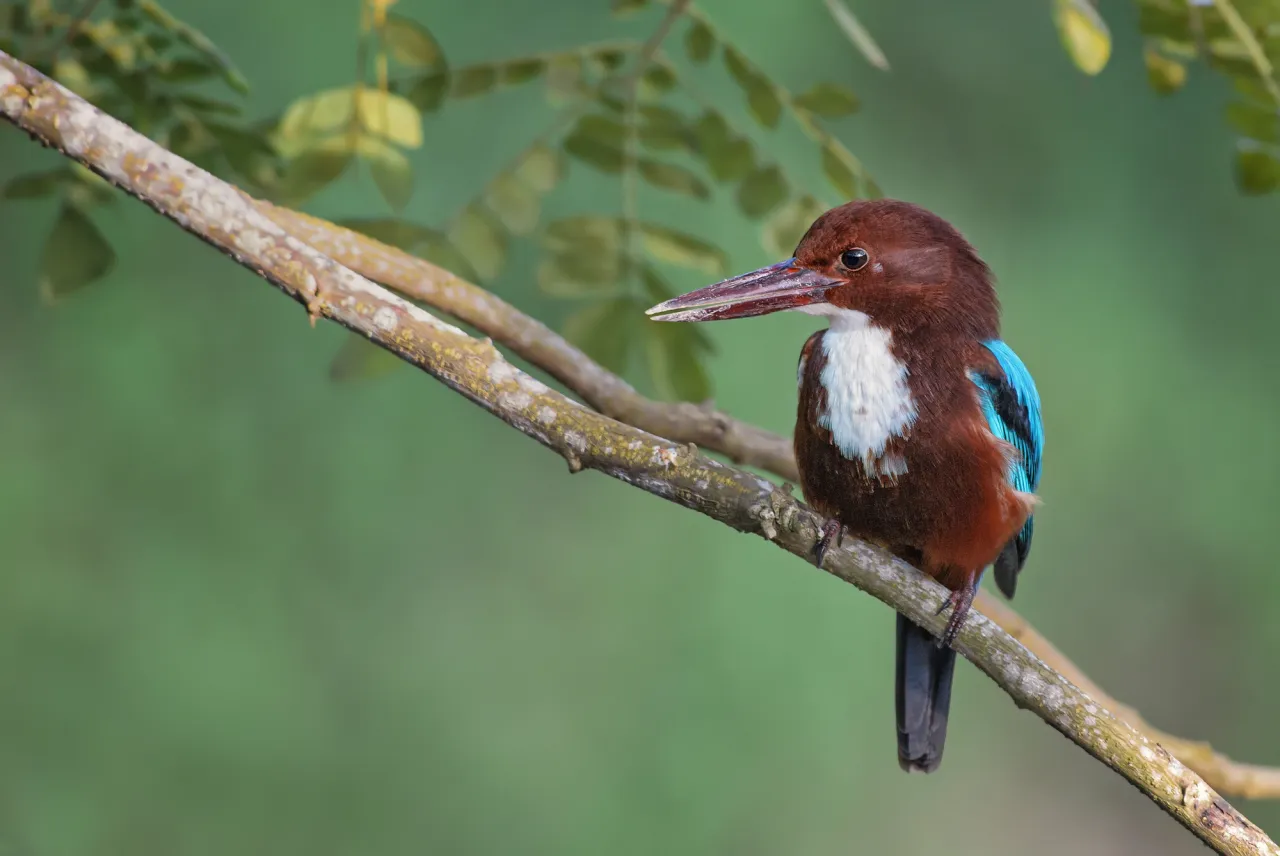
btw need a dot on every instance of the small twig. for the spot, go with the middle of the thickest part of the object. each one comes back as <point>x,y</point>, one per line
<point>1240,28</point>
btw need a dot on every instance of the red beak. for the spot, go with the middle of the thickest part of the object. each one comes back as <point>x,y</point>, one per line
<point>785,285</point>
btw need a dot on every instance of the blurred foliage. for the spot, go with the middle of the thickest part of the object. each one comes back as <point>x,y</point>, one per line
<point>625,110</point>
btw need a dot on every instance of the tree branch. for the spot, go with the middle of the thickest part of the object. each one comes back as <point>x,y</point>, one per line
<point>707,428</point>
<point>229,220</point>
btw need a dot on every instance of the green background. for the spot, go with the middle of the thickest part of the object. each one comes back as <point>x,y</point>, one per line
<point>246,610</point>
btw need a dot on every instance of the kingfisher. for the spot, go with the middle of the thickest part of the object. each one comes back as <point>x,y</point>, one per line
<point>917,428</point>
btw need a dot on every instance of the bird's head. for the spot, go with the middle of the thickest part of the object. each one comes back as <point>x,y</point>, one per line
<point>895,263</point>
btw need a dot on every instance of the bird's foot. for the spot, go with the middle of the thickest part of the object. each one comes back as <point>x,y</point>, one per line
<point>959,600</point>
<point>833,532</point>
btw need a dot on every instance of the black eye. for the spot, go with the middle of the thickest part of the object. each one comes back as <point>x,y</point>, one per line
<point>855,259</point>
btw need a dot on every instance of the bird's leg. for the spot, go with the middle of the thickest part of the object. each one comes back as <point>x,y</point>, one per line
<point>832,535</point>
<point>959,600</point>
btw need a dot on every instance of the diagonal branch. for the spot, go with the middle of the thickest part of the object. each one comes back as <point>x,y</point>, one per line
<point>707,428</point>
<point>229,220</point>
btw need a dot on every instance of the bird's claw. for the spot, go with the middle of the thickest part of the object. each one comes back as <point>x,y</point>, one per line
<point>959,600</point>
<point>833,532</point>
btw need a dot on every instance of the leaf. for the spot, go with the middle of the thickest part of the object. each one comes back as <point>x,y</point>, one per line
<point>584,234</point>
<point>514,203</point>
<point>541,168</point>
<point>360,359</point>
<point>762,100</point>
<point>564,77</point>
<point>762,191</point>
<point>828,100</point>
<point>314,169</point>
<point>428,92</point>
<point>479,240</point>
<point>1165,75</point>
<point>391,116</point>
<point>604,129</point>
<point>839,173</point>
<point>605,331</point>
<point>684,250</point>
<point>391,171</point>
<point>728,158</point>
<point>663,128</point>
<point>622,8</point>
<point>411,44</point>
<point>594,152</point>
<point>1083,33</point>
<point>668,176</point>
<point>474,81</point>
<point>1257,171</point>
<point>35,185</point>
<point>699,42</point>
<point>442,253</point>
<point>75,254</point>
<point>209,105</point>
<point>1259,123</point>
<point>658,79</point>
<point>675,361</point>
<point>316,114</point>
<point>783,231</point>
<point>572,275</point>
<point>397,233</point>
<point>857,34</point>
<point>184,70</point>
<point>522,70</point>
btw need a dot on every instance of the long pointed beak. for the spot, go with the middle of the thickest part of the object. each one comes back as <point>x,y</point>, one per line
<point>785,285</point>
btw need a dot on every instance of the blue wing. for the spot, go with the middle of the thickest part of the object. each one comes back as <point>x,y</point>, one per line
<point>1012,407</point>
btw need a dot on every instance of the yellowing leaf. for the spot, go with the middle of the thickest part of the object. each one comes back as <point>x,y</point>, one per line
<point>762,191</point>
<point>1083,33</point>
<point>313,116</point>
<point>541,168</point>
<point>857,34</point>
<point>564,78</point>
<point>1165,75</point>
<point>390,116</point>
<point>678,248</point>
<point>479,240</point>
<point>411,44</point>
<point>75,254</point>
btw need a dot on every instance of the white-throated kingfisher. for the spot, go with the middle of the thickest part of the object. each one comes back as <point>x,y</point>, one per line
<point>918,428</point>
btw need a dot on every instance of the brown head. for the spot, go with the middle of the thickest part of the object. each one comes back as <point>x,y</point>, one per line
<point>906,268</point>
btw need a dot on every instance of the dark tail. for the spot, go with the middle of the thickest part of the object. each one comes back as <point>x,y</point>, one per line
<point>923,697</point>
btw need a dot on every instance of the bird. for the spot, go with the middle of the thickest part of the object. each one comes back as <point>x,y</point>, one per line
<point>917,427</point>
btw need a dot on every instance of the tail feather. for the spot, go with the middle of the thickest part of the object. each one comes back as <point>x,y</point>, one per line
<point>923,697</point>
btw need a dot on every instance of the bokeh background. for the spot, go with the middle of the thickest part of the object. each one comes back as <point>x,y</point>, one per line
<point>244,609</point>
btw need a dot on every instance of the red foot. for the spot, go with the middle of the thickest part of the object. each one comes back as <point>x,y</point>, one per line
<point>959,600</point>
<point>832,535</point>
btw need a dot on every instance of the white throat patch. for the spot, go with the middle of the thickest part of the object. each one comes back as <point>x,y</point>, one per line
<point>868,399</point>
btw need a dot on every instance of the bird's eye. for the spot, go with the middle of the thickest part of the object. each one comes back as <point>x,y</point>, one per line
<point>854,259</point>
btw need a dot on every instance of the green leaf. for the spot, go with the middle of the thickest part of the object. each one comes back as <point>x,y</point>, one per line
<point>391,171</point>
<point>605,331</point>
<point>75,254</point>
<point>184,70</point>
<point>674,352</point>
<point>410,43</point>
<point>839,173</point>
<point>829,100</point>
<point>1083,33</point>
<point>1259,123</point>
<point>200,104</point>
<point>474,81</point>
<point>762,191</point>
<point>313,170</point>
<point>662,128</point>
<point>564,78</point>
<point>480,241</point>
<point>783,231</point>
<point>391,116</point>
<point>728,158</point>
<point>522,70</point>
<point>668,176</point>
<point>574,275</point>
<point>584,234</point>
<point>857,34</point>
<point>397,233</point>
<point>428,92</point>
<point>514,203</point>
<point>441,252</point>
<point>541,168</point>
<point>1257,171</point>
<point>699,42</point>
<point>595,152</point>
<point>35,185</point>
<point>684,250</point>
<point>1165,75</point>
<point>360,359</point>
<point>657,80</point>
<point>762,100</point>
<point>603,129</point>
